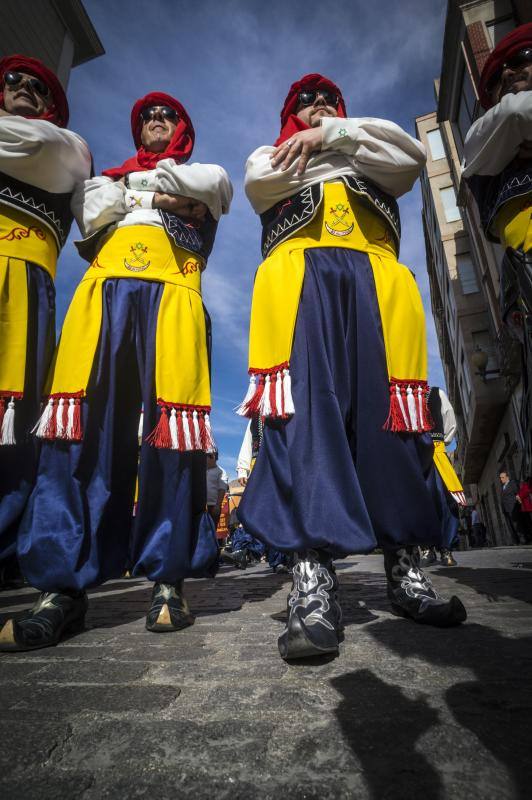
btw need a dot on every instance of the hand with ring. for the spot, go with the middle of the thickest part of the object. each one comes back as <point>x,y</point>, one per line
<point>300,146</point>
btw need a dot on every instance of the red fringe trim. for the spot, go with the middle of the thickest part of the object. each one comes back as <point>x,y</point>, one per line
<point>161,436</point>
<point>399,417</point>
<point>50,431</point>
<point>76,429</point>
<point>269,370</point>
<point>2,410</point>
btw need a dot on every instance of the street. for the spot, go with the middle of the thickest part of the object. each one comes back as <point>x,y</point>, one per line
<point>405,711</point>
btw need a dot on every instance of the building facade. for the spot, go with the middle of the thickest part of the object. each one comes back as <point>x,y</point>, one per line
<point>58,32</point>
<point>481,364</point>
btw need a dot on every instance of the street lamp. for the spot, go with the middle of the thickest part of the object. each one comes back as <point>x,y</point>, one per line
<point>480,360</point>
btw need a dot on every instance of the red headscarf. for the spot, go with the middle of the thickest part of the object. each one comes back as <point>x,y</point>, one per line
<point>290,123</point>
<point>508,46</point>
<point>180,148</point>
<point>57,111</point>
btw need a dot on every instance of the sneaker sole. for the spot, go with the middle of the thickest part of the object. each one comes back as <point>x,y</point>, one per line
<point>297,644</point>
<point>455,616</point>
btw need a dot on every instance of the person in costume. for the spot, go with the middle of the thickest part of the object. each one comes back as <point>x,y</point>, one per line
<point>42,170</point>
<point>338,364</point>
<point>447,489</point>
<point>498,169</point>
<point>135,335</point>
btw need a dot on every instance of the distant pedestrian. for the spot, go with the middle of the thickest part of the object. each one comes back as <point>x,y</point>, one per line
<point>524,498</point>
<point>510,507</point>
<point>478,533</point>
<point>217,486</point>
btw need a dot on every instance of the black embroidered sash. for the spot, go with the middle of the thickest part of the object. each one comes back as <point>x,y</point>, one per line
<point>293,213</point>
<point>51,208</point>
<point>492,192</point>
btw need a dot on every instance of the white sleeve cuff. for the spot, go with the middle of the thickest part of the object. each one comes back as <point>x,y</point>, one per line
<point>135,199</point>
<point>241,472</point>
<point>142,181</point>
<point>338,134</point>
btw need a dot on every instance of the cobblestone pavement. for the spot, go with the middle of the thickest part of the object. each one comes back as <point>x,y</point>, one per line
<point>405,711</point>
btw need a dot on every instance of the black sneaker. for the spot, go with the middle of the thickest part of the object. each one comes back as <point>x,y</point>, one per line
<point>446,558</point>
<point>54,616</point>
<point>169,610</point>
<point>282,569</point>
<point>427,556</point>
<point>314,614</point>
<point>412,594</point>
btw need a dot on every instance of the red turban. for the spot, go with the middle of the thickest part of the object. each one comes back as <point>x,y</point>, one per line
<point>290,123</point>
<point>180,148</point>
<point>508,46</point>
<point>57,111</point>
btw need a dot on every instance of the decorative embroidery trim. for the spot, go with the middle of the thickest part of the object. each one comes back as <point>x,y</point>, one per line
<point>24,233</point>
<point>19,199</point>
<point>342,132</point>
<point>139,264</point>
<point>296,221</point>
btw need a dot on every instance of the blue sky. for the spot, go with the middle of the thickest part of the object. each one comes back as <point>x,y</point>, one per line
<point>231,62</point>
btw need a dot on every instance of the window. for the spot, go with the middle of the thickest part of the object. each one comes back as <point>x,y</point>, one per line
<point>466,273</point>
<point>483,340</point>
<point>466,108</point>
<point>448,200</point>
<point>465,382</point>
<point>435,143</point>
<point>498,28</point>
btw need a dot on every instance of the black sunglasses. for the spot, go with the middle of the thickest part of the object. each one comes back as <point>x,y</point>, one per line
<point>13,79</point>
<point>518,59</point>
<point>167,112</point>
<point>308,97</point>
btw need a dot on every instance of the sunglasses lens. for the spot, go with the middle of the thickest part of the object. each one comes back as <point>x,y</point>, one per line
<point>307,98</point>
<point>169,113</point>
<point>330,98</point>
<point>39,86</point>
<point>12,78</point>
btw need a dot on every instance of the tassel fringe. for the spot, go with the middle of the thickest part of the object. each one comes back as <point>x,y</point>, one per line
<point>460,498</point>
<point>61,418</point>
<point>7,420</point>
<point>409,411</point>
<point>269,394</point>
<point>182,428</point>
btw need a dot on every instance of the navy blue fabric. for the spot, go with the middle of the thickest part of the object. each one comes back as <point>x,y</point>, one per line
<point>447,510</point>
<point>275,557</point>
<point>78,530</point>
<point>331,477</point>
<point>241,539</point>
<point>18,462</point>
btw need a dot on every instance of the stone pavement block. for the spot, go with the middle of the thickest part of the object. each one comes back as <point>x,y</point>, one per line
<point>68,700</point>
<point>99,672</point>
<point>25,745</point>
<point>44,784</point>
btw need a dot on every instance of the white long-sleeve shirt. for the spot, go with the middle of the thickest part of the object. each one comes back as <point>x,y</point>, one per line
<point>448,416</point>
<point>365,147</point>
<point>41,154</point>
<point>245,456</point>
<point>494,139</point>
<point>108,202</point>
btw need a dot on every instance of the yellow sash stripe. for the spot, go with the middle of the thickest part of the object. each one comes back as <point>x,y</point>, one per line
<point>446,469</point>
<point>514,223</point>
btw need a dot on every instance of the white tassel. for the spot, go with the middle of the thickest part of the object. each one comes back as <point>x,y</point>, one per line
<point>70,418</point>
<point>265,409</point>
<point>252,388</point>
<point>420,407</point>
<point>278,395</point>
<point>287,392</point>
<point>173,430</point>
<point>59,427</point>
<point>211,444</point>
<point>140,430</point>
<point>186,431</point>
<point>197,434</point>
<point>411,400</point>
<point>44,420</point>
<point>8,424</point>
<point>401,406</point>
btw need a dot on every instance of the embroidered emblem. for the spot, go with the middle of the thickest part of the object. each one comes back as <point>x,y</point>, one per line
<point>24,233</point>
<point>340,225</point>
<point>144,182</point>
<point>135,201</point>
<point>138,262</point>
<point>342,132</point>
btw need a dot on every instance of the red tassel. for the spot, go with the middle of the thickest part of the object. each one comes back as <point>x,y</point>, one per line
<point>203,431</point>
<point>160,436</point>
<point>273,405</point>
<point>427,416</point>
<point>192,431</point>
<point>76,428</point>
<point>180,432</point>
<point>51,428</point>
<point>252,408</point>
<point>395,421</point>
<point>64,421</point>
<point>2,409</point>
